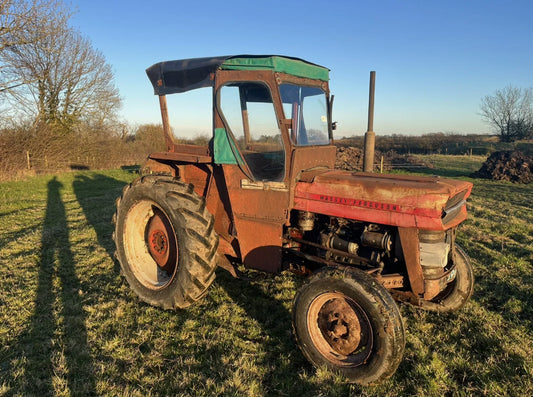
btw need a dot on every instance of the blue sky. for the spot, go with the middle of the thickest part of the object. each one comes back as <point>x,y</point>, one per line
<point>434,60</point>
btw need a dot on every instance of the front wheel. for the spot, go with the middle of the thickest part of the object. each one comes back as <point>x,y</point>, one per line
<point>458,291</point>
<point>347,321</point>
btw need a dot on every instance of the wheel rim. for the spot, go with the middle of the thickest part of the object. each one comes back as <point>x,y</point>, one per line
<point>340,329</point>
<point>150,245</point>
<point>161,241</point>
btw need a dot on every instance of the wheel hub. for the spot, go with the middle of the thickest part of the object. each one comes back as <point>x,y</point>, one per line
<point>339,326</point>
<point>340,329</point>
<point>160,241</point>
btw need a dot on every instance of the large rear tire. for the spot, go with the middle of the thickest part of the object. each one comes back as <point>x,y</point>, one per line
<point>344,319</point>
<point>165,241</point>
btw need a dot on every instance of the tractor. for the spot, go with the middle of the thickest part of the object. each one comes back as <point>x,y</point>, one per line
<point>264,194</point>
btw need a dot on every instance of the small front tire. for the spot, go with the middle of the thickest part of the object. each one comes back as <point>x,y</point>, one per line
<point>345,320</point>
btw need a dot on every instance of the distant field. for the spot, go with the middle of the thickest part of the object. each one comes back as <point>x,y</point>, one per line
<point>69,324</point>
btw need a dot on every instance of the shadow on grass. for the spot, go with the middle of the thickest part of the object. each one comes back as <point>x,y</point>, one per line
<point>96,195</point>
<point>54,350</point>
<point>133,169</point>
<point>283,358</point>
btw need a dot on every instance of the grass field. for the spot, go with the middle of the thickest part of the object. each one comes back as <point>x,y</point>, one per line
<point>69,324</point>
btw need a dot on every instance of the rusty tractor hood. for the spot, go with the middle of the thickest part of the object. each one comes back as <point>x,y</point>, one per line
<point>432,202</point>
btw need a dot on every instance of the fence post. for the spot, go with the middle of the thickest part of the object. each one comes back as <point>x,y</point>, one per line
<point>28,159</point>
<point>381,168</point>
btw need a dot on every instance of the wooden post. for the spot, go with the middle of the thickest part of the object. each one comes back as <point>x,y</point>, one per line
<point>28,159</point>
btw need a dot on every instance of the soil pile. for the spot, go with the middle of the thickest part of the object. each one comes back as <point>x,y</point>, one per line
<point>351,158</point>
<point>511,166</point>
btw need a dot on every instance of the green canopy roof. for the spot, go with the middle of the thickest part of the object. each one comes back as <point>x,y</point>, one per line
<point>187,74</point>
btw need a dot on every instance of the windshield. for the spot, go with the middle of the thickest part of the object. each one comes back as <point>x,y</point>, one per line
<point>307,109</point>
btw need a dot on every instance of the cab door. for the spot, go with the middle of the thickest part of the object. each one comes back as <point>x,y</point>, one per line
<point>250,145</point>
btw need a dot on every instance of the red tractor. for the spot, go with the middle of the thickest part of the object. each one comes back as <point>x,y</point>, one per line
<point>264,193</point>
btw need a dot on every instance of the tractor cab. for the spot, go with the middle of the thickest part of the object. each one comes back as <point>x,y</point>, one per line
<point>272,119</point>
<point>264,108</point>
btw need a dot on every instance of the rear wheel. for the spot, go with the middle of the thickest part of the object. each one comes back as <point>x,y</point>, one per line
<point>345,320</point>
<point>165,241</point>
<point>458,291</point>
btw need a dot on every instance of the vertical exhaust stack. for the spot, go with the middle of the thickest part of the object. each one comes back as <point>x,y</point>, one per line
<point>370,136</point>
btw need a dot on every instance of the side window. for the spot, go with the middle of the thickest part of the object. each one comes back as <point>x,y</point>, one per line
<point>249,114</point>
<point>191,114</point>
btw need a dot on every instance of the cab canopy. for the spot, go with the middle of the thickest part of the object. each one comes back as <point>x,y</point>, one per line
<point>182,75</point>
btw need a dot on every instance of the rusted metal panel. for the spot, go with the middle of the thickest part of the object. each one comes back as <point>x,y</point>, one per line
<point>182,157</point>
<point>391,280</point>
<point>199,175</point>
<point>411,253</point>
<point>153,166</point>
<point>312,157</point>
<point>307,159</point>
<point>259,215</point>
<point>260,244</point>
<point>169,142</point>
<point>192,149</point>
<point>309,176</point>
<point>218,203</point>
<point>391,200</point>
<point>288,78</point>
<point>226,247</point>
<point>435,286</point>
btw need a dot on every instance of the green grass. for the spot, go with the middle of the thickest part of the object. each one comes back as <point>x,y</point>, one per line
<point>70,325</point>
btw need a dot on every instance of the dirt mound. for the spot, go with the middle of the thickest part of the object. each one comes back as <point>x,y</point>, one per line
<point>351,158</point>
<point>511,166</point>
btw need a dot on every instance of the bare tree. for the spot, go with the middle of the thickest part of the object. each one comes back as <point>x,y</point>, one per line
<point>17,19</point>
<point>64,79</point>
<point>510,112</point>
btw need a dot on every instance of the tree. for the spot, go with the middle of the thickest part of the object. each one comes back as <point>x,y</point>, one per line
<point>17,19</point>
<point>65,80</point>
<point>510,112</point>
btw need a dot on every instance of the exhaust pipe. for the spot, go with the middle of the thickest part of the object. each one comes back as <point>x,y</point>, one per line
<point>370,136</point>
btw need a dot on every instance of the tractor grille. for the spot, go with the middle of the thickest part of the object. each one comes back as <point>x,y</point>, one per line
<point>453,207</point>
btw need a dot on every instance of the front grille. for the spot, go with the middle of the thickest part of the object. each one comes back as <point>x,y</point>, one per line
<point>453,207</point>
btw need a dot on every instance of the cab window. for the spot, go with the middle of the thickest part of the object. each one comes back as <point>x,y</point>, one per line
<point>249,114</point>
